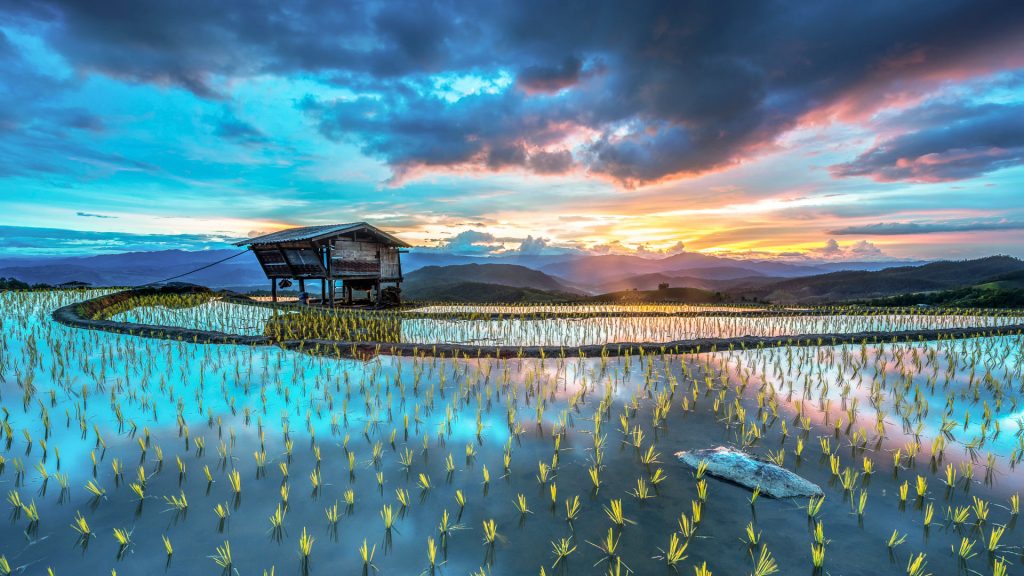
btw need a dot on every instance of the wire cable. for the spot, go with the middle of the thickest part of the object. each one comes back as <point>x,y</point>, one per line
<point>192,271</point>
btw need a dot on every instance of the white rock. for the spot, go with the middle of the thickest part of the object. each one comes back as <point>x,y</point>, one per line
<point>750,472</point>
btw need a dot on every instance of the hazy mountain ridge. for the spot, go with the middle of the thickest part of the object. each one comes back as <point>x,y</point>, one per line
<point>858,285</point>
<point>428,283</point>
<point>554,276</point>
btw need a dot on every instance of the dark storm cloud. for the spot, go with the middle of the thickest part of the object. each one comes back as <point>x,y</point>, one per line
<point>958,142</point>
<point>550,78</point>
<point>903,228</point>
<point>647,89</point>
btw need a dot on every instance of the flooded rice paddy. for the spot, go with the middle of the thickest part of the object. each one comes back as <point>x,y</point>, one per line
<point>504,326</point>
<point>150,456</point>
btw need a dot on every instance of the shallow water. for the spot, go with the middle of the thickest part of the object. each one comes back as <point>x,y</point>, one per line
<point>241,319</point>
<point>484,309</point>
<point>121,389</point>
<point>587,331</point>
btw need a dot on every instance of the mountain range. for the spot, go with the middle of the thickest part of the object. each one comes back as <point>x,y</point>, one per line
<point>431,275</point>
<point>585,273</point>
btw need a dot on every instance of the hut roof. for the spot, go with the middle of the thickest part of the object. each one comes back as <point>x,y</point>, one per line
<point>309,233</point>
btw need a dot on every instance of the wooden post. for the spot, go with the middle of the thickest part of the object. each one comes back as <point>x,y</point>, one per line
<point>330,273</point>
<point>377,295</point>
<point>302,284</point>
<point>273,290</point>
<point>323,291</point>
<point>348,295</point>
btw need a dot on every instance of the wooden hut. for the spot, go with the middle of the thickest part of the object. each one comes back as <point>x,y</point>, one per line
<point>361,256</point>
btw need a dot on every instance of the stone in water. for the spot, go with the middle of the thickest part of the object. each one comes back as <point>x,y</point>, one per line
<point>750,472</point>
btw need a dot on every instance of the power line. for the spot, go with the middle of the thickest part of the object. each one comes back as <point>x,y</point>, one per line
<point>192,271</point>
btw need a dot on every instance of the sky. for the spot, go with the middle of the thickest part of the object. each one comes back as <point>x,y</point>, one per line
<point>789,130</point>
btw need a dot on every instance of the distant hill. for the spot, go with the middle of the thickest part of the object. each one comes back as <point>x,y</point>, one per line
<point>1005,291</point>
<point>599,272</point>
<point>483,283</point>
<point>421,258</point>
<point>859,285</point>
<point>134,268</point>
<point>720,272</point>
<point>688,295</point>
<point>480,292</point>
<point>726,282</point>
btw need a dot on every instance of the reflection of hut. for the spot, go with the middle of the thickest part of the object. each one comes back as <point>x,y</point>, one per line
<point>360,255</point>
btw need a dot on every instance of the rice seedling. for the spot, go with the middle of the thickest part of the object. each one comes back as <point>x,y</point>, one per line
<point>520,505</point>
<point>896,539</point>
<point>753,535</point>
<point>921,485</point>
<point>686,526</point>
<point>31,512</point>
<point>366,554</point>
<point>81,526</point>
<point>221,510</point>
<point>388,516</point>
<point>595,477</point>
<point>766,564</point>
<point>959,515</point>
<point>431,553</point>
<point>490,532</point>
<point>95,489</point>
<point>305,545</point>
<point>123,537</point>
<point>542,472</point>
<point>572,508</point>
<point>862,501</point>
<point>817,555</point>
<point>966,549</point>
<point>139,490</point>
<point>916,565</point>
<point>642,490</point>
<point>235,481</point>
<point>980,508</point>
<point>222,556</point>
<point>167,545</point>
<point>614,512</point>
<point>994,536</point>
<point>676,551</point>
<point>561,549</point>
<point>608,545</point>
<point>333,516</point>
<point>814,506</point>
<point>277,519</point>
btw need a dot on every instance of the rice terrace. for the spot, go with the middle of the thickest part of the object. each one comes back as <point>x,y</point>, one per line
<point>435,288</point>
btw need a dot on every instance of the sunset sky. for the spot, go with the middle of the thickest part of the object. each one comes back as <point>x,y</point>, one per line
<point>797,130</point>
